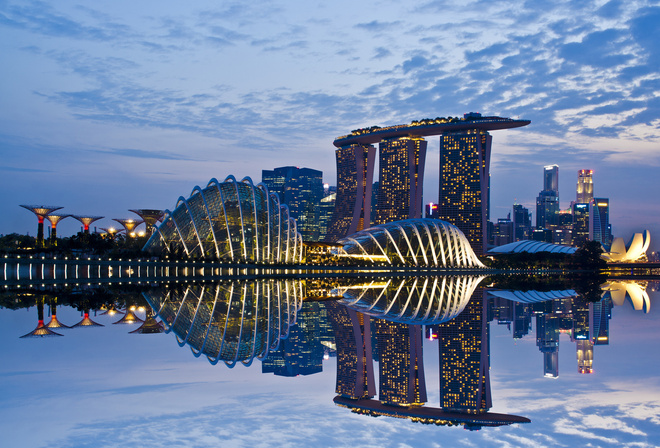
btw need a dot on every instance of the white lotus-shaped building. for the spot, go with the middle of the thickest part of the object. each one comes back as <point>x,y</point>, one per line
<point>412,242</point>
<point>232,221</point>
<point>635,251</point>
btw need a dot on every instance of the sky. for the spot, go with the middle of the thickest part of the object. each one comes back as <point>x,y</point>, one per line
<point>121,105</point>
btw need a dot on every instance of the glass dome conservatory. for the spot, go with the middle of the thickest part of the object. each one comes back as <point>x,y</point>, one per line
<point>412,242</point>
<point>232,221</point>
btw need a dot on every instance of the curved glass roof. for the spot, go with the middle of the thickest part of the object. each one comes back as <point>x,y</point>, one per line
<point>229,220</point>
<point>532,247</point>
<point>412,242</point>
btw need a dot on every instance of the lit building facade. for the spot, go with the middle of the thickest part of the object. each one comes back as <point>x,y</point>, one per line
<point>580,231</point>
<point>599,222</point>
<point>522,223</point>
<point>551,178</point>
<point>401,365</point>
<point>464,184</point>
<point>464,360</point>
<point>464,171</point>
<point>400,179</point>
<point>355,171</point>
<point>585,187</point>
<point>301,189</point>
<point>355,371</point>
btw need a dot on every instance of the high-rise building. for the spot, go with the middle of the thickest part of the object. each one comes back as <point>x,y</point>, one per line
<point>599,222</point>
<point>580,233</point>
<point>301,189</point>
<point>547,340</point>
<point>401,366</point>
<point>503,232</point>
<point>301,353</point>
<point>464,360</point>
<point>551,178</point>
<point>547,202</point>
<point>585,187</point>
<point>327,208</point>
<point>400,179</point>
<point>464,175</point>
<point>355,372</point>
<point>522,223</point>
<point>355,172</point>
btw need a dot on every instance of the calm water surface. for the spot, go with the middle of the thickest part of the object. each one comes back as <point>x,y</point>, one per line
<point>104,386</point>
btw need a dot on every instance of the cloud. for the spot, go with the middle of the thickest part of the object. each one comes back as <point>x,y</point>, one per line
<point>376,26</point>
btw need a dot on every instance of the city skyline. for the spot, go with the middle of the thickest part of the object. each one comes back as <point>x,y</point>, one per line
<point>115,107</point>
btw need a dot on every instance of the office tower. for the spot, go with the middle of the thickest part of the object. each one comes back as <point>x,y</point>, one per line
<point>301,189</point>
<point>464,175</point>
<point>600,314</point>
<point>585,187</point>
<point>327,208</point>
<point>503,231</point>
<point>551,178</point>
<point>301,353</point>
<point>41,211</point>
<point>580,312</point>
<point>580,233</point>
<point>547,340</point>
<point>400,179</point>
<point>522,223</point>
<point>401,366</point>
<point>464,366</point>
<point>585,356</point>
<point>547,209</point>
<point>355,172</point>
<point>599,222</point>
<point>355,371</point>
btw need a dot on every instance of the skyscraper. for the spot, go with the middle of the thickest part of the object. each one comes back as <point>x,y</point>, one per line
<point>599,221</point>
<point>355,172</point>
<point>551,178</point>
<point>464,176</point>
<point>580,223</point>
<point>547,202</point>
<point>464,365</point>
<point>401,366</point>
<point>400,179</point>
<point>522,224</point>
<point>585,187</point>
<point>301,189</point>
<point>355,372</point>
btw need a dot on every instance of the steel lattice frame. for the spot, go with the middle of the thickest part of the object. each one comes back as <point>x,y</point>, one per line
<point>413,242</point>
<point>230,220</point>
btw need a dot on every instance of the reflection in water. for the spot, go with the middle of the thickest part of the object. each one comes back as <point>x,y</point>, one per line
<point>229,322</point>
<point>41,330</point>
<point>631,291</point>
<point>291,325</point>
<point>425,300</point>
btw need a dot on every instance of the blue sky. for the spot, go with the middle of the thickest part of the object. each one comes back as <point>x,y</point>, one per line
<point>108,107</point>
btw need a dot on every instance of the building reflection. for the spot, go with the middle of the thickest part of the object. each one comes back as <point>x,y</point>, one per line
<point>293,325</point>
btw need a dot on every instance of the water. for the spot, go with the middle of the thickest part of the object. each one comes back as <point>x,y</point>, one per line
<point>102,386</point>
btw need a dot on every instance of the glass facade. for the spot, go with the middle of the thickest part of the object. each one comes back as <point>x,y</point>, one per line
<point>229,322</point>
<point>230,221</point>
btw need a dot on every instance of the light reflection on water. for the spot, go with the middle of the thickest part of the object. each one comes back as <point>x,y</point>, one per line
<point>329,336</point>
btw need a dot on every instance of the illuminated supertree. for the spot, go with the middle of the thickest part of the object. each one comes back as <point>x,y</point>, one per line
<point>129,317</point>
<point>86,220</point>
<point>54,219</point>
<point>150,325</point>
<point>111,231</point>
<point>41,211</point>
<point>54,322</point>
<point>41,329</point>
<point>149,217</point>
<point>87,321</point>
<point>129,225</point>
